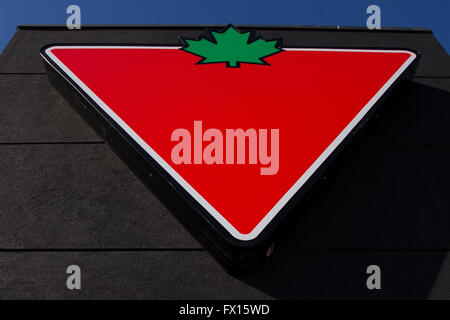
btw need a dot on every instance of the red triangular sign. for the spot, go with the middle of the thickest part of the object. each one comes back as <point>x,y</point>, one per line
<point>306,99</point>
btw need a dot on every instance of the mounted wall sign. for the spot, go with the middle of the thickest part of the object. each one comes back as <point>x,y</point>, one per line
<point>230,130</point>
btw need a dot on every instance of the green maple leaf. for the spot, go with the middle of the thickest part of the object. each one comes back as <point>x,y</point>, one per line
<point>231,47</point>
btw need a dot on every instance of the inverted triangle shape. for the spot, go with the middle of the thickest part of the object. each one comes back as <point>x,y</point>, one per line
<point>315,97</point>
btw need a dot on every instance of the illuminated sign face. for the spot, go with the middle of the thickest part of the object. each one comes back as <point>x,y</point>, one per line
<point>241,132</point>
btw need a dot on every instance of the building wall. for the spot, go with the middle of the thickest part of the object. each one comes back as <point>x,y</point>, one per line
<point>66,198</point>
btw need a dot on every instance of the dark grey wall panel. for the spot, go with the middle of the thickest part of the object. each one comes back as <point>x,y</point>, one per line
<point>194,275</point>
<point>79,196</point>
<point>31,110</point>
<point>441,288</point>
<point>342,275</point>
<point>418,115</point>
<point>22,53</point>
<point>82,196</point>
<point>435,60</point>
<point>120,275</point>
<point>382,198</point>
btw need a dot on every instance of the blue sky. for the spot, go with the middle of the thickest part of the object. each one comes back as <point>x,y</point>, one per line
<point>433,14</point>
